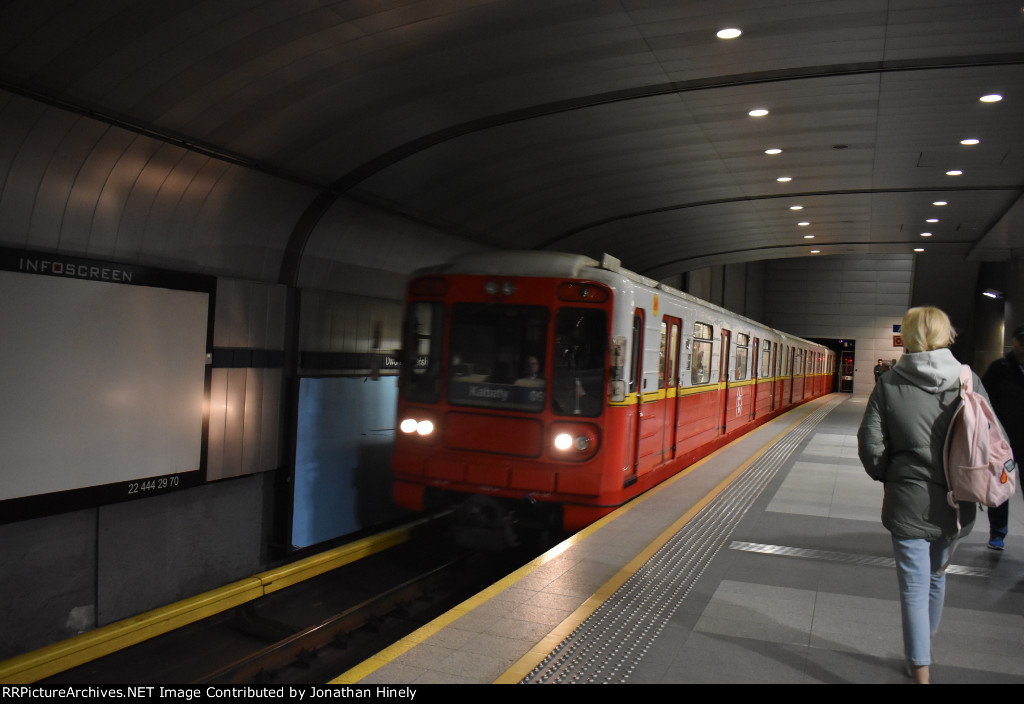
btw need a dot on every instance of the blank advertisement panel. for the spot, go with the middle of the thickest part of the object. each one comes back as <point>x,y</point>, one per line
<point>104,381</point>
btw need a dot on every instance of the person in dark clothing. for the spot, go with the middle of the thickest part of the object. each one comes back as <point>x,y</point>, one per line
<point>1004,382</point>
<point>880,369</point>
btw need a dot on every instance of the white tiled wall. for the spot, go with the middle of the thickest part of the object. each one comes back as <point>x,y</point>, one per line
<point>848,297</point>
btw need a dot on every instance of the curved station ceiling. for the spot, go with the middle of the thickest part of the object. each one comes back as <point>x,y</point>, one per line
<point>216,131</point>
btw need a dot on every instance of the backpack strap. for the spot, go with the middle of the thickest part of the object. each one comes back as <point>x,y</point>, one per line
<point>966,380</point>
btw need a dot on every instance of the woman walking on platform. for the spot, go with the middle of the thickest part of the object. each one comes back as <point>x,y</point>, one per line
<point>900,443</point>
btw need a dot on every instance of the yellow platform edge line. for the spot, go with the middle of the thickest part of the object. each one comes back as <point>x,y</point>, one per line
<point>385,656</point>
<point>99,642</point>
<point>526,664</point>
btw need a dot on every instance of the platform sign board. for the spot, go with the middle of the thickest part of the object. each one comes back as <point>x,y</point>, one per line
<point>104,382</point>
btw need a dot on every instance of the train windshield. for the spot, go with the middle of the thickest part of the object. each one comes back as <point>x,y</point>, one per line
<point>580,352</point>
<point>421,370</point>
<point>497,356</point>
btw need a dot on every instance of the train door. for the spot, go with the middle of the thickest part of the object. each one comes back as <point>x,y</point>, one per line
<point>635,392</point>
<point>755,359</point>
<point>780,373</point>
<point>723,375</point>
<point>670,369</point>
<point>794,374</point>
<point>791,365</point>
<point>820,384</point>
<point>652,406</point>
<point>787,377</point>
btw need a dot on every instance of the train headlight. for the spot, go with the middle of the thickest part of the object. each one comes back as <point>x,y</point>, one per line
<point>420,428</point>
<point>574,442</point>
<point>505,288</point>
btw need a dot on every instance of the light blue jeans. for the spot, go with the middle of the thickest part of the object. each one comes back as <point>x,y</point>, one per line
<point>920,569</point>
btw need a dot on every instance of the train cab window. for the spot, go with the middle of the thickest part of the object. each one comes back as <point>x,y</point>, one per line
<point>742,352</point>
<point>579,362</point>
<point>497,356</point>
<point>766,359</point>
<point>421,370</point>
<point>700,371</point>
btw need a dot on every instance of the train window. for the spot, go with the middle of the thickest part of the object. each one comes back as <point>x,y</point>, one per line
<point>742,348</point>
<point>638,347</point>
<point>702,338</point>
<point>498,356</point>
<point>421,370</point>
<point>797,361</point>
<point>579,361</point>
<point>661,354</point>
<point>766,359</point>
<point>673,352</point>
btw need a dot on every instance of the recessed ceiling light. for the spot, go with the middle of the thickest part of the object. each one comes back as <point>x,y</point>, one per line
<point>939,202</point>
<point>803,224</point>
<point>808,237</point>
<point>730,33</point>
<point>970,142</point>
<point>794,207</point>
<point>784,179</point>
<point>758,112</point>
<point>993,98</point>
<point>932,220</point>
<point>918,249</point>
<point>815,251</point>
<point>926,234</point>
<point>773,151</point>
<point>955,172</point>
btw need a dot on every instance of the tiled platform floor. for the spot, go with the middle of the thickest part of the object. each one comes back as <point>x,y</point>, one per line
<point>801,591</point>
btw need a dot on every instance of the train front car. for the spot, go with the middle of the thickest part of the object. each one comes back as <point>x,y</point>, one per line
<point>503,397</point>
<point>543,390</point>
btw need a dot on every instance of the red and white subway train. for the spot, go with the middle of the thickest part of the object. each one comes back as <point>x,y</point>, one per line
<point>553,388</point>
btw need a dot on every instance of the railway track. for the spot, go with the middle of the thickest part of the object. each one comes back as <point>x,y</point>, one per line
<point>311,632</point>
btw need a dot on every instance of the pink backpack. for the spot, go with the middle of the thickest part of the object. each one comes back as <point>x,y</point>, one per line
<point>978,459</point>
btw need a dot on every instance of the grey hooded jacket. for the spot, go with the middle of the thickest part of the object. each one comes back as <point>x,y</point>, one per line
<point>900,443</point>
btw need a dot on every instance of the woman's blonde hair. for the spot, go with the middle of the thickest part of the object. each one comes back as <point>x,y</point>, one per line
<point>925,329</point>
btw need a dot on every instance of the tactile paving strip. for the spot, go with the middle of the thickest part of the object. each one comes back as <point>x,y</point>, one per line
<point>610,643</point>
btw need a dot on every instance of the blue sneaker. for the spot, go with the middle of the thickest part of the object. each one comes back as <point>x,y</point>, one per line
<point>996,543</point>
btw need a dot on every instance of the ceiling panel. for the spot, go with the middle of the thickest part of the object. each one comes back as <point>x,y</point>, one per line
<point>587,125</point>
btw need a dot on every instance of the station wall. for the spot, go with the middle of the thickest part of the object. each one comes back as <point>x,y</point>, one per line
<point>849,296</point>
<point>67,573</point>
